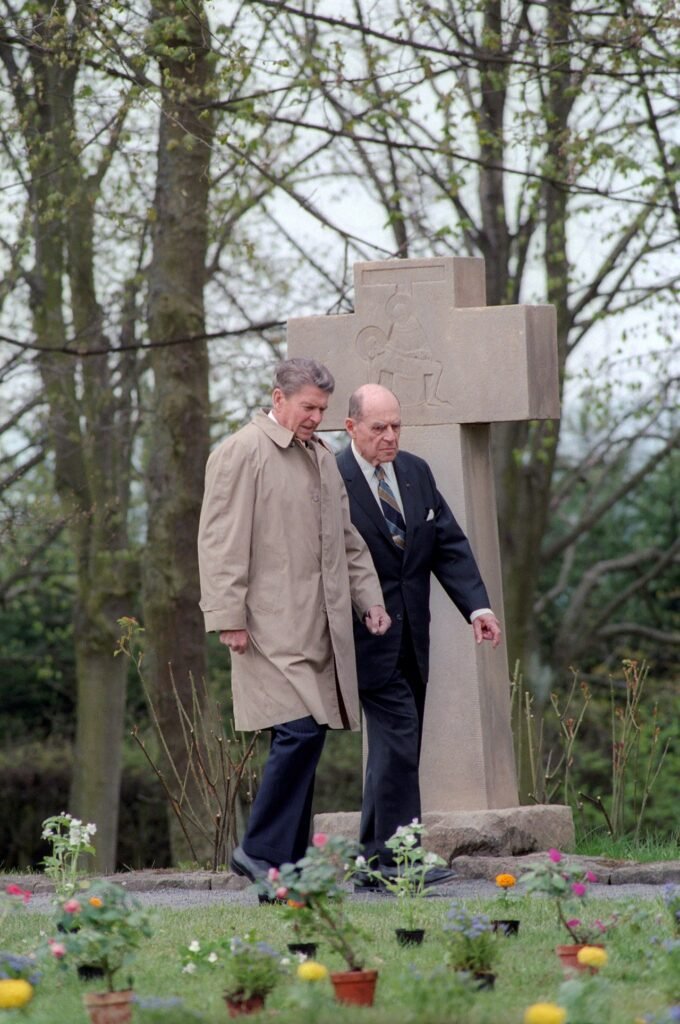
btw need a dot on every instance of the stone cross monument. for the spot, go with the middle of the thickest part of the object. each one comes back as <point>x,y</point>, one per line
<point>421,328</point>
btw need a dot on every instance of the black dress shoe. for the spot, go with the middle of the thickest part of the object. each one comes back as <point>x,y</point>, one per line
<point>433,876</point>
<point>366,884</point>
<point>249,867</point>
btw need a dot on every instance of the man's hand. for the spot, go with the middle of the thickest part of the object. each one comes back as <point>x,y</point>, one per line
<point>377,620</point>
<point>487,627</point>
<point>235,639</point>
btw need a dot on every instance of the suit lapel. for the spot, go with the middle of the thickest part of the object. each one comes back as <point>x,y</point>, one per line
<point>357,486</point>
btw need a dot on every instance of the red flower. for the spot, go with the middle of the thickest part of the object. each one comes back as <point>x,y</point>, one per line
<point>319,839</point>
<point>57,949</point>
<point>16,890</point>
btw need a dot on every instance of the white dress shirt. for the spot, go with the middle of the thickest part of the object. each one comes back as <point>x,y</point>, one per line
<point>371,479</point>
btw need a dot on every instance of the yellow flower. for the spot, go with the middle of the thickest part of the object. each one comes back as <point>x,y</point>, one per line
<point>545,1013</point>
<point>94,901</point>
<point>592,956</point>
<point>505,881</point>
<point>310,970</point>
<point>14,992</point>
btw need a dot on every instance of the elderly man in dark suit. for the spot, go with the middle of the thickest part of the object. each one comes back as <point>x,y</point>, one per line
<point>410,532</point>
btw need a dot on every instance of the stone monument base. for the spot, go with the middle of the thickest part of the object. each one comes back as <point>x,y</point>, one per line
<point>503,831</point>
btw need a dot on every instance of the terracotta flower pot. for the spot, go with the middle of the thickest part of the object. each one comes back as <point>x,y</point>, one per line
<point>508,927</point>
<point>241,1007</point>
<point>355,987</point>
<point>109,1007</point>
<point>569,956</point>
<point>410,936</point>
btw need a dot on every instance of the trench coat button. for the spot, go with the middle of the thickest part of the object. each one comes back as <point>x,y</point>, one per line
<point>399,616</point>
<point>315,496</point>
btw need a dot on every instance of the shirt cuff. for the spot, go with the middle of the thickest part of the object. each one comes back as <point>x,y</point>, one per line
<point>480,611</point>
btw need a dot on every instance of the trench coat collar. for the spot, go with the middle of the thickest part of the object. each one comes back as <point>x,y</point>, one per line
<point>281,436</point>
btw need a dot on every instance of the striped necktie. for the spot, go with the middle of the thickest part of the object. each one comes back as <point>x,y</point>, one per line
<point>391,510</point>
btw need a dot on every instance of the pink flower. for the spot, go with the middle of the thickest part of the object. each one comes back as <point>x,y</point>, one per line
<point>600,927</point>
<point>574,923</point>
<point>71,907</point>
<point>16,890</point>
<point>555,855</point>
<point>273,874</point>
<point>57,949</point>
<point>578,889</point>
<point>281,892</point>
<point>319,839</point>
<point>590,877</point>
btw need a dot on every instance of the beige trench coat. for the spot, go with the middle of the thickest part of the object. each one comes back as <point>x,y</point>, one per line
<point>278,556</point>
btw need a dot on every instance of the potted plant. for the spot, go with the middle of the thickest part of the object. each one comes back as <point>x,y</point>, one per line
<point>103,927</point>
<point>70,841</point>
<point>18,977</point>
<point>314,884</point>
<point>567,886</point>
<point>412,864</point>
<point>470,944</point>
<point>18,974</point>
<point>251,970</point>
<point>506,925</point>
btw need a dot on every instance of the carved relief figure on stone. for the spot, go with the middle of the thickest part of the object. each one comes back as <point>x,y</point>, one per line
<point>401,359</point>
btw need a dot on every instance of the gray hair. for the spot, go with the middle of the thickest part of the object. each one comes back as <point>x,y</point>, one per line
<point>292,375</point>
<point>356,406</point>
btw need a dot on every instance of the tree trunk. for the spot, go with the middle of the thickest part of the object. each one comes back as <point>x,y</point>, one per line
<point>90,434</point>
<point>179,435</point>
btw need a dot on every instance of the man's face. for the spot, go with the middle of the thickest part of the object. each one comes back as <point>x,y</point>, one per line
<point>301,412</point>
<point>376,433</point>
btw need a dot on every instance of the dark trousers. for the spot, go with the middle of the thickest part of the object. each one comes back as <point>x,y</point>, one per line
<point>393,713</point>
<point>279,823</point>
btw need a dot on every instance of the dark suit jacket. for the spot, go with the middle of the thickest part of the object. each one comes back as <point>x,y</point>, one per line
<point>435,544</point>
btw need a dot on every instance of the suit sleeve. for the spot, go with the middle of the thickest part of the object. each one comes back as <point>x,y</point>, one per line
<point>454,564</point>
<point>224,537</point>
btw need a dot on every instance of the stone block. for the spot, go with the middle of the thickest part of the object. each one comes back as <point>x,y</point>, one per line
<point>505,831</point>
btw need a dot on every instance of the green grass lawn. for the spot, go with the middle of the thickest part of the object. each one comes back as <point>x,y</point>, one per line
<point>633,983</point>
<point>651,847</point>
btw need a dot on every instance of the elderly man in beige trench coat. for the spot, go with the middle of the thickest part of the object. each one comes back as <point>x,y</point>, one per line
<point>281,569</point>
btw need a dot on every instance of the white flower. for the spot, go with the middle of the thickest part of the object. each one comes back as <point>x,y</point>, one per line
<point>189,969</point>
<point>431,858</point>
<point>194,946</point>
<point>285,961</point>
<point>212,958</point>
<point>360,861</point>
<point>90,829</point>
